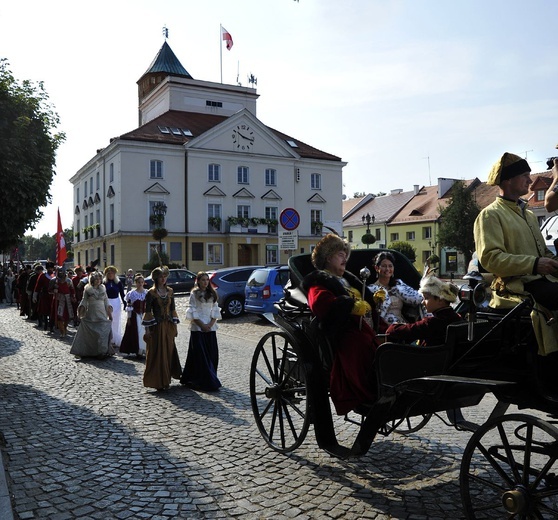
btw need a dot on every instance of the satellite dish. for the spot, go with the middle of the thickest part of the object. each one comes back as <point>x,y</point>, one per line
<point>344,197</point>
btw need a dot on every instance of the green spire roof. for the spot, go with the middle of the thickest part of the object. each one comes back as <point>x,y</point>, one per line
<point>166,61</point>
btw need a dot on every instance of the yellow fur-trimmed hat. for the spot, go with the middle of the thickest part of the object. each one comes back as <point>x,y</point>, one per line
<point>328,246</point>
<point>507,167</point>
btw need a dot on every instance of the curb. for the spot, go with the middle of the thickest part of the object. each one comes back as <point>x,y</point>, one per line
<point>6,512</point>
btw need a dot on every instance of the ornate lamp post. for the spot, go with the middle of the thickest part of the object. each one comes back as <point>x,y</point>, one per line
<point>159,212</point>
<point>368,238</point>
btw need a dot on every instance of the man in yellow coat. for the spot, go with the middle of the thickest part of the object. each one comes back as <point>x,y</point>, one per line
<point>510,244</point>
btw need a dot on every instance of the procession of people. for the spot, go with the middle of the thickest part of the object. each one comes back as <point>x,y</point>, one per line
<point>91,301</point>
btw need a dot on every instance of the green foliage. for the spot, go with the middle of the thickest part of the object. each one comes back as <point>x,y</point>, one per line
<point>457,220</point>
<point>157,260</point>
<point>43,248</point>
<point>28,144</point>
<point>368,238</point>
<point>405,248</point>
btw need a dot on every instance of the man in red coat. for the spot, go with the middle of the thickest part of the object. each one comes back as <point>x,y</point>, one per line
<point>44,298</point>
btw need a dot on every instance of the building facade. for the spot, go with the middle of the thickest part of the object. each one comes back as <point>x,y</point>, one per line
<point>224,178</point>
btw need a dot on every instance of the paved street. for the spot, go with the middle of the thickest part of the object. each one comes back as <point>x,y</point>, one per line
<point>85,439</point>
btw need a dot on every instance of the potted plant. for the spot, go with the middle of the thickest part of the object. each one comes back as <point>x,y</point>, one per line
<point>316,226</point>
<point>214,222</point>
<point>233,221</point>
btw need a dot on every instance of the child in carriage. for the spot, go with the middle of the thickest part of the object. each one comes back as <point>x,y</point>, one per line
<point>431,330</point>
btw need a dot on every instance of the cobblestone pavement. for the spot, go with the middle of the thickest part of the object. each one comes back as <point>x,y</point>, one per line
<point>86,440</point>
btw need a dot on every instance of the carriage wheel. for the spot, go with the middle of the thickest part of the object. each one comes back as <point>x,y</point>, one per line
<point>278,392</point>
<point>408,424</point>
<point>510,470</point>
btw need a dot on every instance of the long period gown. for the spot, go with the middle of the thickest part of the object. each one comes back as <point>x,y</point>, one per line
<point>132,341</point>
<point>93,336</point>
<point>200,370</point>
<point>115,294</point>
<point>160,319</point>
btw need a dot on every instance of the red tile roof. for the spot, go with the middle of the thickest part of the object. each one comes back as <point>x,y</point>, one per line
<point>198,124</point>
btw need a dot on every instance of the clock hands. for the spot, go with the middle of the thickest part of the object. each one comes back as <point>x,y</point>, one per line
<point>251,139</point>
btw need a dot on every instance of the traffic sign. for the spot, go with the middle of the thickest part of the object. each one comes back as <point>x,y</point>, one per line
<point>289,219</point>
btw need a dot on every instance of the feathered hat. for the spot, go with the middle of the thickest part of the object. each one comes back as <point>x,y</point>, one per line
<point>436,287</point>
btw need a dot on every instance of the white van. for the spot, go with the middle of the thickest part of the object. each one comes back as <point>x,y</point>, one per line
<point>549,230</point>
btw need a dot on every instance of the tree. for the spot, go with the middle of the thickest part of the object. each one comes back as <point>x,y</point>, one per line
<point>405,248</point>
<point>457,220</point>
<point>28,144</point>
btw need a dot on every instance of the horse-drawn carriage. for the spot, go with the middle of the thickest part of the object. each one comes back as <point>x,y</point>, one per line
<point>510,464</point>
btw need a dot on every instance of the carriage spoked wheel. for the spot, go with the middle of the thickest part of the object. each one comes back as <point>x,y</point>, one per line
<point>408,425</point>
<point>278,392</point>
<point>510,470</point>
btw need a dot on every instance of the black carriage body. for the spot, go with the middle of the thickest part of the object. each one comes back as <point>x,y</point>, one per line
<point>417,381</point>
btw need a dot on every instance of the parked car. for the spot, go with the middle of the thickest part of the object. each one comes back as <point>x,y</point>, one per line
<point>230,283</point>
<point>180,280</point>
<point>264,288</point>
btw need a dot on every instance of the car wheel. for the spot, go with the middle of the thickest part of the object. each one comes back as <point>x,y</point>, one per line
<point>234,306</point>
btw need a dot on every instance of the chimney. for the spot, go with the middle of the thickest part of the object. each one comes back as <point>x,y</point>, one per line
<point>416,189</point>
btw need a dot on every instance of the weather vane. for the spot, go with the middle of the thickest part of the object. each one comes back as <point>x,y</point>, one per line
<point>165,32</point>
<point>252,79</point>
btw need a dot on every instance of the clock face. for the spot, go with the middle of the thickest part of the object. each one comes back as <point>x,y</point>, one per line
<point>243,137</point>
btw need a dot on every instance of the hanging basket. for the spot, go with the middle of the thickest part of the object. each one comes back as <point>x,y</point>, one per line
<point>368,238</point>
<point>160,233</point>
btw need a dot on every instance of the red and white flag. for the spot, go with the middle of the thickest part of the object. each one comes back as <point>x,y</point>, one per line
<point>227,37</point>
<point>60,243</point>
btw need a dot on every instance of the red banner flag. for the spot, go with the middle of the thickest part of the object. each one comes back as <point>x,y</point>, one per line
<point>60,243</point>
<point>227,37</point>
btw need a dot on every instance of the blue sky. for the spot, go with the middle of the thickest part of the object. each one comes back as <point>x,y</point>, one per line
<point>405,91</point>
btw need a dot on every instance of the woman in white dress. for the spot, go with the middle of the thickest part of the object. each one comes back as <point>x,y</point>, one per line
<point>200,370</point>
<point>390,294</point>
<point>93,335</point>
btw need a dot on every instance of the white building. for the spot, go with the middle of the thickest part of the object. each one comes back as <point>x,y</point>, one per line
<point>201,150</point>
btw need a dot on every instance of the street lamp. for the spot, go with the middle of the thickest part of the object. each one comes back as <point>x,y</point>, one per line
<point>159,212</point>
<point>367,219</point>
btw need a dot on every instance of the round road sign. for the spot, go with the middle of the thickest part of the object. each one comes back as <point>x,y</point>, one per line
<point>289,219</point>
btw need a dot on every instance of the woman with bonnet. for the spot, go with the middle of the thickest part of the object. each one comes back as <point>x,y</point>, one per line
<point>160,320</point>
<point>335,298</point>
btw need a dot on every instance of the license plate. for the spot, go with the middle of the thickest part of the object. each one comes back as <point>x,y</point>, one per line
<point>253,295</point>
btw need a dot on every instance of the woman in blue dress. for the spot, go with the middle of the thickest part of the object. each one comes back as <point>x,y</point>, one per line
<point>200,371</point>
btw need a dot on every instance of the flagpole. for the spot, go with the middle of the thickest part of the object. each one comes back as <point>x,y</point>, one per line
<point>221,51</point>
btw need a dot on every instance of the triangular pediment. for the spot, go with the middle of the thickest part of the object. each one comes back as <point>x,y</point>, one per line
<point>316,198</point>
<point>242,134</point>
<point>244,194</point>
<point>76,211</point>
<point>90,201</point>
<point>97,198</point>
<point>214,191</point>
<point>110,192</point>
<point>157,188</point>
<point>271,195</point>
<point>84,205</point>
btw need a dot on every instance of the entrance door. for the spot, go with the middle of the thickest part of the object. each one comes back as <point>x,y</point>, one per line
<point>244,254</point>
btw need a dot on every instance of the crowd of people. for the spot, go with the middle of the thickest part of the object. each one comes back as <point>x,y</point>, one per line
<point>351,317</point>
<point>93,301</point>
